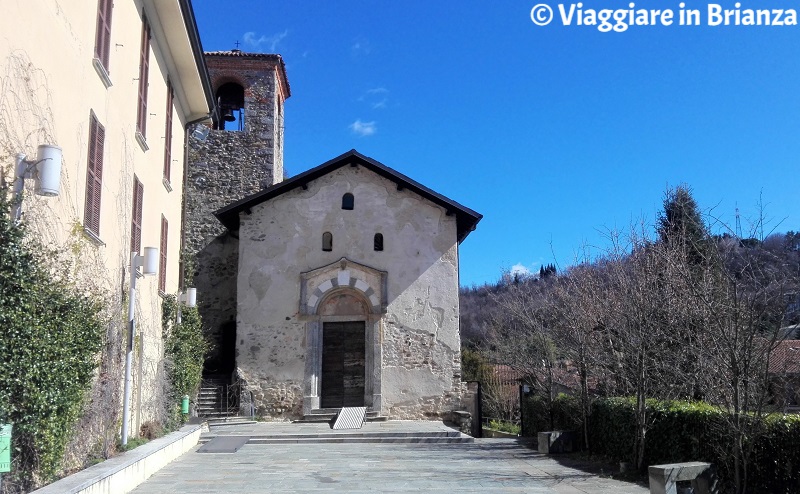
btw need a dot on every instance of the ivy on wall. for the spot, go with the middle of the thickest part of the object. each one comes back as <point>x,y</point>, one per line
<point>185,348</point>
<point>49,345</point>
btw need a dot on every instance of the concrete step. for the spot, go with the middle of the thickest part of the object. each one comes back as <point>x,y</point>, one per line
<point>366,440</point>
<point>208,400</point>
<point>355,438</point>
<point>321,415</point>
<point>362,440</point>
<point>207,412</point>
<point>319,418</point>
<point>228,421</point>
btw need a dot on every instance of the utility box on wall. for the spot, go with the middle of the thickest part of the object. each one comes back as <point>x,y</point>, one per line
<point>5,448</point>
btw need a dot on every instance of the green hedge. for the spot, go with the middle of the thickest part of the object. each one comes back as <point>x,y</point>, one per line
<point>690,431</point>
<point>566,414</point>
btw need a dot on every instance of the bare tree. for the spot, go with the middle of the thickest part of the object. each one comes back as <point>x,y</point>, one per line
<point>521,337</point>
<point>578,327</point>
<point>742,303</point>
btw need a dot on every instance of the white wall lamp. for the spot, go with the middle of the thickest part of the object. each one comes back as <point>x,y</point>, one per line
<point>45,170</point>
<point>149,264</point>
<point>189,298</point>
<point>200,132</point>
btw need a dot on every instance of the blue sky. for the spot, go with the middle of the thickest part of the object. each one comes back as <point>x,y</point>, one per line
<point>556,134</point>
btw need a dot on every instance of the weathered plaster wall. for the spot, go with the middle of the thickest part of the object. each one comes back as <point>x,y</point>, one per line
<point>418,334</point>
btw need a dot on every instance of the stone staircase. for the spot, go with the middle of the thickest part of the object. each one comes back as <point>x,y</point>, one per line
<point>328,414</point>
<point>216,399</point>
<point>261,435</point>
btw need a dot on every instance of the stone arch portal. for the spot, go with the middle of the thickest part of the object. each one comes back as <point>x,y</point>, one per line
<point>343,304</point>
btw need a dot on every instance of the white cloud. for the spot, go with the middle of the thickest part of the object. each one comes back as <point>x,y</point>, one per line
<point>363,129</point>
<point>376,97</point>
<point>520,269</point>
<point>268,43</point>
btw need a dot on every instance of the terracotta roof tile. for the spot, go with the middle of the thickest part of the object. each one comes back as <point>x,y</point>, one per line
<point>785,358</point>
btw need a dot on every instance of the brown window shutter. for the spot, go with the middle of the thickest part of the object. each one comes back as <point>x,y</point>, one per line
<point>94,175</point>
<point>136,216</point>
<point>168,134</point>
<point>144,70</point>
<point>162,265</point>
<point>102,42</point>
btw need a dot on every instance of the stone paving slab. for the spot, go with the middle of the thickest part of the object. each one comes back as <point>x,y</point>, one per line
<point>224,444</point>
<point>487,465</point>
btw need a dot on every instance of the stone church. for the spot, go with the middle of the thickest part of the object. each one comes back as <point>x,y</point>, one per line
<point>336,287</point>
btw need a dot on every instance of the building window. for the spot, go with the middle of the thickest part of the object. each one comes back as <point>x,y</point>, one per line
<point>162,253</point>
<point>348,201</point>
<point>136,216</point>
<point>377,242</point>
<point>94,176</point>
<point>102,39</point>
<point>168,134</point>
<point>327,242</point>
<point>144,71</point>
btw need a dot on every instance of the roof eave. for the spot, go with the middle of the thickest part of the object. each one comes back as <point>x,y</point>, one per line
<point>174,27</point>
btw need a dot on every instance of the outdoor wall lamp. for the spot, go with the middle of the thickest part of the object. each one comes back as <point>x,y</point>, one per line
<point>149,264</point>
<point>45,170</point>
<point>189,298</point>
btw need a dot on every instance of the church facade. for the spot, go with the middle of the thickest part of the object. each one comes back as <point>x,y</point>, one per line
<point>336,287</point>
<point>348,292</point>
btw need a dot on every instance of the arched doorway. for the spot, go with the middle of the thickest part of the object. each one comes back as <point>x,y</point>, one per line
<point>343,314</point>
<point>343,305</point>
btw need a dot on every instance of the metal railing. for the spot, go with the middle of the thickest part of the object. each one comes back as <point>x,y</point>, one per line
<point>226,397</point>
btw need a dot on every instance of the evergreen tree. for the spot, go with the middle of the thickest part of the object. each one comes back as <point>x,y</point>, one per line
<point>681,225</point>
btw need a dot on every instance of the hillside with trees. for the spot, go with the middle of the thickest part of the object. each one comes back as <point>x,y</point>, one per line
<point>666,313</point>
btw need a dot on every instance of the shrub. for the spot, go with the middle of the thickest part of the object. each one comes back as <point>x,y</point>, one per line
<point>694,431</point>
<point>566,413</point>
<point>185,348</point>
<point>49,343</point>
<point>151,430</point>
<point>503,426</point>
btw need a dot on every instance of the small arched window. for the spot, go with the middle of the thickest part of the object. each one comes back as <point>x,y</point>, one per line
<point>377,242</point>
<point>327,242</point>
<point>348,201</point>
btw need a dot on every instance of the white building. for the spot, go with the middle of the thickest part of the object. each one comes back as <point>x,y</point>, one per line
<point>114,84</point>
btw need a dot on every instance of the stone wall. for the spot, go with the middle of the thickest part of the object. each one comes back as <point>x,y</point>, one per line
<point>223,168</point>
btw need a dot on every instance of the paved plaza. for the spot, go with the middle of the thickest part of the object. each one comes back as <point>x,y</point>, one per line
<point>485,465</point>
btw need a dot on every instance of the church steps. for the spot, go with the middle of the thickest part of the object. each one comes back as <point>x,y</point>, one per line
<point>356,438</point>
<point>321,415</point>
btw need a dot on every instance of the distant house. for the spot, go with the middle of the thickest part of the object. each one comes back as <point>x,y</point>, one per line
<point>784,369</point>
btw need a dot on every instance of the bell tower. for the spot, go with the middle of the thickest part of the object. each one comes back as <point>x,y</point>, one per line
<point>240,154</point>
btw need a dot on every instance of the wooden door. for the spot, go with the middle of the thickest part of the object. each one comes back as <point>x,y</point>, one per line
<point>343,353</point>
